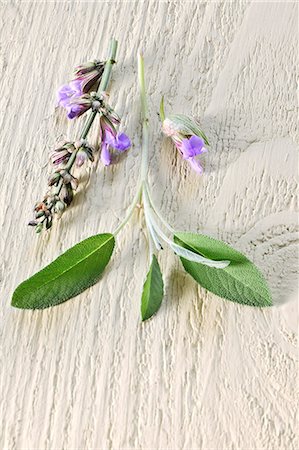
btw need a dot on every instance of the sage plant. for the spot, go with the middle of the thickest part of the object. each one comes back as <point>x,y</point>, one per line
<point>212,263</point>
<point>77,97</point>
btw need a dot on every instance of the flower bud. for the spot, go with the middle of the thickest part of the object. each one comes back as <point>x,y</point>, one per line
<point>54,178</point>
<point>66,176</point>
<point>69,195</point>
<point>49,223</point>
<point>89,66</point>
<point>59,206</point>
<point>81,157</point>
<point>80,143</point>
<point>96,105</point>
<point>39,228</point>
<point>39,206</point>
<point>39,214</point>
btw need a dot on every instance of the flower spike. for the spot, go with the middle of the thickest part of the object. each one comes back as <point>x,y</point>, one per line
<point>77,100</point>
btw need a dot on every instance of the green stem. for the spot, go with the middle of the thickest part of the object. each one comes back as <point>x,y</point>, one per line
<point>102,87</point>
<point>144,148</point>
<point>145,119</point>
<point>143,192</point>
<point>130,210</point>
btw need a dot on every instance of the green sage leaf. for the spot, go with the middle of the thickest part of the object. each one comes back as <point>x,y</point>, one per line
<point>71,273</point>
<point>240,281</point>
<point>152,293</point>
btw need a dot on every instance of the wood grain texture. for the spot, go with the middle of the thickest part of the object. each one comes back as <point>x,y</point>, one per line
<point>203,373</point>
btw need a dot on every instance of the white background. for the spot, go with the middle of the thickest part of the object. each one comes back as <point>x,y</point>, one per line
<point>204,373</point>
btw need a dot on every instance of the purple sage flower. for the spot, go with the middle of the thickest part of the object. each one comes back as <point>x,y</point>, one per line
<point>187,137</point>
<point>67,92</point>
<point>111,139</point>
<point>190,148</point>
<point>79,105</point>
<point>86,75</point>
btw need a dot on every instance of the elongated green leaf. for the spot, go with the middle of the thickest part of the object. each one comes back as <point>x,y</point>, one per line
<point>240,281</point>
<point>152,294</point>
<point>71,273</point>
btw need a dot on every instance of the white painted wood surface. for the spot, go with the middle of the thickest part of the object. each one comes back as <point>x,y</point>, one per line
<point>203,373</point>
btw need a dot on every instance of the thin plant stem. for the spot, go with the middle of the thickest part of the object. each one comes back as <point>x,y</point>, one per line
<point>143,192</point>
<point>144,147</point>
<point>103,84</point>
<point>145,119</point>
<point>130,210</point>
<point>156,210</point>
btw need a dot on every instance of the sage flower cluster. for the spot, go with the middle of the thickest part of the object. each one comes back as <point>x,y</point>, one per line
<point>85,92</point>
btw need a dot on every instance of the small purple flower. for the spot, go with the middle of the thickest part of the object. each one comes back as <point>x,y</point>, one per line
<point>79,105</point>
<point>187,137</point>
<point>110,139</point>
<point>67,92</point>
<point>122,142</point>
<point>75,110</point>
<point>190,148</point>
<point>86,75</point>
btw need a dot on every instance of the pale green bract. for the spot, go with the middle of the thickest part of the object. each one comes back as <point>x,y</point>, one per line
<point>71,273</point>
<point>188,126</point>
<point>152,293</point>
<point>240,281</point>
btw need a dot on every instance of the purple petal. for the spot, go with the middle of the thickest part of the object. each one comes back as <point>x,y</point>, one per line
<point>64,94</point>
<point>122,142</point>
<point>105,155</point>
<point>73,111</point>
<point>67,92</point>
<point>76,86</point>
<point>109,136</point>
<point>195,164</point>
<point>192,147</point>
<point>197,144</point>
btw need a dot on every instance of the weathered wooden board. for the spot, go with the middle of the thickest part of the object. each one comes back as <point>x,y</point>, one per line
<point>204,373</point>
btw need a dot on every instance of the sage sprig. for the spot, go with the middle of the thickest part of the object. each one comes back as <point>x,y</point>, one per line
<point>213,264</point>
<point>77,98</point>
